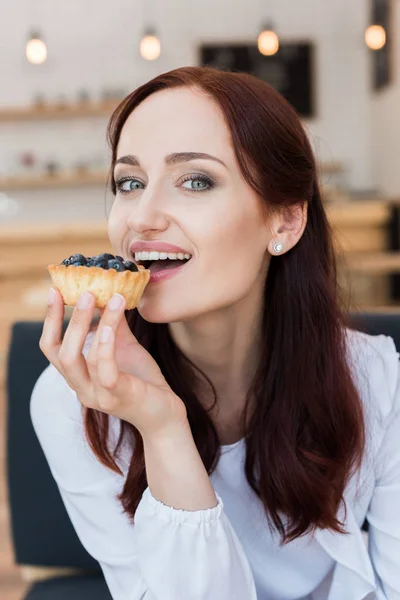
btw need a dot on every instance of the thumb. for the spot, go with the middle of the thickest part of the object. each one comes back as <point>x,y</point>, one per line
<point>124,332</point>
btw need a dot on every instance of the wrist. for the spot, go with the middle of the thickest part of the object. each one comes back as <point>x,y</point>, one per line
<point>175,471</point>
<point>173,433</point>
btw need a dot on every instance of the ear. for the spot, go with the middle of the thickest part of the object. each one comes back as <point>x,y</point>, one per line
<point>287,225</point>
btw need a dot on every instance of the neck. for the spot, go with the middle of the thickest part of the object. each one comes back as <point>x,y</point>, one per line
<point>225,345</point>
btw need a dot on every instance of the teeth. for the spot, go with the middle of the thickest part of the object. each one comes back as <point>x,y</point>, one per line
<point>142,256</point>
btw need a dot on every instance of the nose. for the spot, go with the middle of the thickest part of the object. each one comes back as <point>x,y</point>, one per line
<point>147,214</point>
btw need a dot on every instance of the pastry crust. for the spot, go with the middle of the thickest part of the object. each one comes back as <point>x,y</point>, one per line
<point>102,283</point>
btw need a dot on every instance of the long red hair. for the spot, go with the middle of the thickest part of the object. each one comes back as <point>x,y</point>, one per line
<point>305,434</point>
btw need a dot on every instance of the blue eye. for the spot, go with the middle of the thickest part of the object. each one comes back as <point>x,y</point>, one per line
<point>121,186</point>
<point>125,185</point>
<point>199,179</point>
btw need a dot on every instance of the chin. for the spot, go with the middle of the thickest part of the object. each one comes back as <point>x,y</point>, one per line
<point>155,311</point>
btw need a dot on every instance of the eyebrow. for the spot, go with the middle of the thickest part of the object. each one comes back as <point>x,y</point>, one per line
<point>171,159</point>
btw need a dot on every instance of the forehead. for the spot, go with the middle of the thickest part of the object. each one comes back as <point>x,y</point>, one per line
<point>176,120</point>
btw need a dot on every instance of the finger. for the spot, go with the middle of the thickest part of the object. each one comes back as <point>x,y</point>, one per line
<point>123,331</point>
<point>51,337</point>
<point>112,315</point>
<point>116,387</point>
<point>70,355</point>
<point>105,374</point>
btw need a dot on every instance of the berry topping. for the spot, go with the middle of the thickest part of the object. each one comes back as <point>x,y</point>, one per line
<point>103,261</point>
<point>78,263</point>
<point>130,266</point>
<point>97,262</point>
<point>75,259</point>
<point>105,256</point>
<point>116,264</point>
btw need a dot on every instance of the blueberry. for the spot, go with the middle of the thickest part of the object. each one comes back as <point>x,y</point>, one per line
<point>116,264</point>
<point>96,262</point>
<point>79,257</point>
<point>130,266</point>
<point>105,256</point>
<point>120,258</point>
<point>78,263</point>
<point>90,261</point>
<point>102,264</point>
<point>73,259</point>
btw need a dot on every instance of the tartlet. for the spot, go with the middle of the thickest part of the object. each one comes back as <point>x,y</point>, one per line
<point>102,275</point>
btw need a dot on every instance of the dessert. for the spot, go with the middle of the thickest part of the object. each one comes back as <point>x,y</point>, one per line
<point>102,275</point>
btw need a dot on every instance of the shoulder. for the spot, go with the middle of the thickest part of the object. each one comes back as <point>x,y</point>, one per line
<point>374,362</point>
<point>55,405</point>
<point>58,418</point>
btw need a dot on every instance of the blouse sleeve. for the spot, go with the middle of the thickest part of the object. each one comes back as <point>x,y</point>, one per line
<point>88,489</point>
<point>384,510</point>
<point>168,554</point>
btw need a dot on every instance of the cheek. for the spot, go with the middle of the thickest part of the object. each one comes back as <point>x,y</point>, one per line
<point>237,260</point>
<point>225,272</point>
<point>234,241</point>
<point>116,227</point>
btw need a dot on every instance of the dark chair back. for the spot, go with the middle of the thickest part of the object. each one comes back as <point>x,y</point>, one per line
<point>379,323</point>
<point>41,530</point>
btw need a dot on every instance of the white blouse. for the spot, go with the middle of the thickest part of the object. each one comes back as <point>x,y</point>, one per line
<point>228,552</point>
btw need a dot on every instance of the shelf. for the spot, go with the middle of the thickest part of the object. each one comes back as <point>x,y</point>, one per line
<point>53,231</point>
<point>74,111</point>
<point>359,213</point>
<point>378,263</point>
<point>63,179</point>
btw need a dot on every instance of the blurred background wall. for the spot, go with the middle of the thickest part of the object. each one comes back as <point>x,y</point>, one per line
<point>384,122</point>
<point>94,47</point>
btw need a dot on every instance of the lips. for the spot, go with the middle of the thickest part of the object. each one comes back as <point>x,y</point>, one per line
<point>164,265</point>
<point>157,275</point>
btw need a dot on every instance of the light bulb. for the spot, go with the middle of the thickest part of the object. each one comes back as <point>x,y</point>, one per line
<point>150,47</point>
<point>268,42</point>
<point>36,50</point>
<point>375,37</point>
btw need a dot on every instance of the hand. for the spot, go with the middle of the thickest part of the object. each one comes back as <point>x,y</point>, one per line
<point>118,376</point>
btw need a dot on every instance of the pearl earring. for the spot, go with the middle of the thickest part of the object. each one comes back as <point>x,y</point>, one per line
<point>278,247</point>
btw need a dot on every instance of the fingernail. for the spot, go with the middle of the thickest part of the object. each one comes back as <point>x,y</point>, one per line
<point>84,300</point>
<point>105,334</point>
<point>52,295</point>
<point>116,302</point>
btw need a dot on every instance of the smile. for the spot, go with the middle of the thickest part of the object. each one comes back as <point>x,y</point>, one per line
<point>146,259</point>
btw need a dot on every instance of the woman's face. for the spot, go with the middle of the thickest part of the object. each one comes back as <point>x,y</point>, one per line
<point>221,225</point>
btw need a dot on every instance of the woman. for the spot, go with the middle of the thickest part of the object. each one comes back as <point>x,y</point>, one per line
<point>235,432</point>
